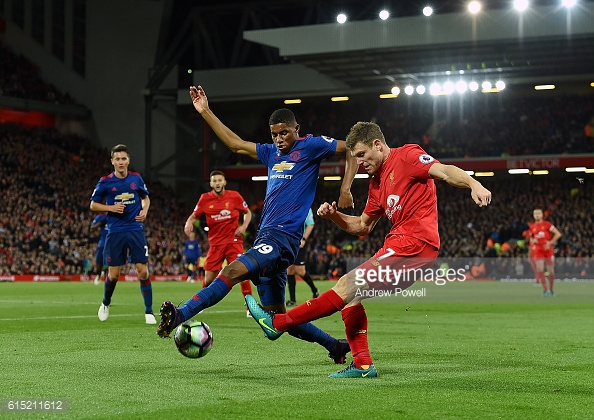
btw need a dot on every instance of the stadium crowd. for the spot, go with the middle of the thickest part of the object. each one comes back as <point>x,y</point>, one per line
<point>47,178</point>
<point>46,181</point>
<point>492,126</point>
<point>44,223</point>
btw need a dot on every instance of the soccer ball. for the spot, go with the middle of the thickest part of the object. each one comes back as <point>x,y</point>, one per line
<point>193,339</point>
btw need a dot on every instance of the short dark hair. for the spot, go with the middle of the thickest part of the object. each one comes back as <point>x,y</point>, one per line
<point>282,115</point>
<point>364,132</point>
<point>217,172</point>
<point>119,148</point>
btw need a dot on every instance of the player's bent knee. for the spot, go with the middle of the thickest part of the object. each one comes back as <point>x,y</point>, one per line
<point>236,272</point>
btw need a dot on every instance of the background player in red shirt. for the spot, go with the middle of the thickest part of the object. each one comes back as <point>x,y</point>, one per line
<point>543,236</point>
<point>221,208</point>
<point>402,188</point>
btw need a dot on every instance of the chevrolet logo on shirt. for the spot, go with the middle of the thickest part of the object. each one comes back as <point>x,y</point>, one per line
<point>124,196</point>
<point>280,167</point>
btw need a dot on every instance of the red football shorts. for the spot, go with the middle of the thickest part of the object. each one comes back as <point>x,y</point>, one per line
<point>219,253</point>
<point>399,263</point>
<point>543,254</point>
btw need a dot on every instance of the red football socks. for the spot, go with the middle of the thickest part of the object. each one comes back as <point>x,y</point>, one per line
<point>540,276</point>
<point>355,323</point>
<point>326,304</point>
<point>246,288</point>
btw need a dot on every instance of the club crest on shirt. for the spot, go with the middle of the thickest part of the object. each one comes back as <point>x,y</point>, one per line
<point>425,159</point>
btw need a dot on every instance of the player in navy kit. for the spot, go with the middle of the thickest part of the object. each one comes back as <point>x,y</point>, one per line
<point>191,254</point>
<point>125,198</point>
<point>293,166</point>
<point>100,222</point>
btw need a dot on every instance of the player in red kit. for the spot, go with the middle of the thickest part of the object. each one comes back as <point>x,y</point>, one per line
<point>402,188</point>
<point>543,236</point>
<point>221,208</point>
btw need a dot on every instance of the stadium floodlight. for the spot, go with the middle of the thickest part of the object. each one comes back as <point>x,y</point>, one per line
<point>384,14</point>
<point>470,172</point>
<point>395,90</point>
<point>339,98</point>
<point>292,101</point>
<point>569,3</point>
<point>474,7</point>
<point>341,18</point>
<point>500,84</point>
<point>520,5</point>
<point>486,85</point>
<point>420,89</point>
<point>434,89</point>
<point>448,88</point>
<point>358,176</point>
<point>473,86</point>
<point>260,178</point>
<point>461,86</point>
<point>484,173</point>
<point>576,169</point>
<point>409,90</point>
<point>544,87</point>
<point>332,178</point>
<point>518,171</point>
<point>540,172</point>
<point>427,11</point>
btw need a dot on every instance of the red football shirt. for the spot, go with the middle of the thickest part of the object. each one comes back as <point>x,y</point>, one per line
<point>222,215</point>
<point>403,190</point>
<point>542,231</point>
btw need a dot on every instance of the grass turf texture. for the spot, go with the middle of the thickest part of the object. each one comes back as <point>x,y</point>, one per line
<point>467,350</point>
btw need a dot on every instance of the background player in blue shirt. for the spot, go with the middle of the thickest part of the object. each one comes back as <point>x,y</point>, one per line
<point>190,256</point>
<point>100,222</point>
<point>125,198</point>
<point>293,167</point>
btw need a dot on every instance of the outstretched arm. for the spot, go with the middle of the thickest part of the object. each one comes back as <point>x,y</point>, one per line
<point>458,178</point>
<point>228,137</point>
<point>355,225</point>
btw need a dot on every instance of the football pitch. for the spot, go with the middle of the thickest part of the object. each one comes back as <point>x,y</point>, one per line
<point>485,350</point>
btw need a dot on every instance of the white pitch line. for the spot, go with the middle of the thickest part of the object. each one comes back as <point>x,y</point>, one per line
<point>95,316</point>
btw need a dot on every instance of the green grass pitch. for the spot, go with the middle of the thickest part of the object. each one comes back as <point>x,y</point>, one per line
<point>483,350</point>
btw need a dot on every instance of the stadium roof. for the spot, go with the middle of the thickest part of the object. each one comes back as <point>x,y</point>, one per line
<point>261,54</point>
<point>543,45</point>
